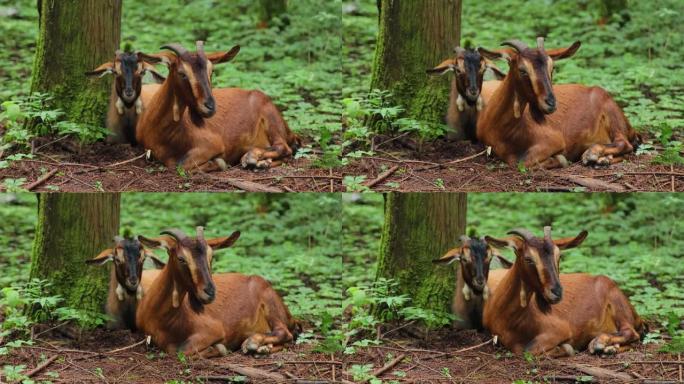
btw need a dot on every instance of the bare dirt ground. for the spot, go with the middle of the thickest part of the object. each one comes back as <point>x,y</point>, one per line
<point>397,166</point>
<point>103,356</point>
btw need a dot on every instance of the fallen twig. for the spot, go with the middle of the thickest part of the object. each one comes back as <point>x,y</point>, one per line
<point>42,179</point>
<point>248,186</point>
<point>599,372</point>
<point>253,372</point>
<point>389,365</point>
<point>49,329</point>
<point>569,378</point>
<point>127,347</point>
<point>453,161</point>
<point>41,366</point>
<point>297,177</point>
<point>382,177</point>
<point>125,161</point>
<point>595,183</point>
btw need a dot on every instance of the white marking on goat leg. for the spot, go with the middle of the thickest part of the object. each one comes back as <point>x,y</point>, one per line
<point>119,106</point>
<point>120,292</point>
<point>176,111</point>
<point>221,163</point>
<point>562,160</point>
<point>460,103</point>
<point>480,103</point>
<point>139,106</point>
<point>485,293</point>
<point>466,292</point>
<point>139,292</point>
<point>174,297</point>
<point>523,296</point>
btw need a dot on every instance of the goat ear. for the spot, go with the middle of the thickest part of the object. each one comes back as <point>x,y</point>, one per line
<point>449,257</point>
<point>149,68</point>
<point>224,242</point>
<point>157,263</point>
<point>104,69</point>
<point>494,55</point>
<point>512,242</point>
<point>443,68</point>
<point>165,242</point>
<point>222,57</point>
<point>571,242</point>
<point>503,261</point>
<point>164,58</point>
<point>102,258</point>
<point>564,53</point>
<point>498,74</point>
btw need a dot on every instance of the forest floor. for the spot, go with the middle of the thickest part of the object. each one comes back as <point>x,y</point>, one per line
<point>448,357</point>
<point>397,166</point>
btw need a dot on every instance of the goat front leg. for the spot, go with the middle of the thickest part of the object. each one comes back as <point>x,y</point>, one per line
<point>609,344</point>
<point>203,159</point>
<point>260,343</point>
<point>206,344</point>
<point>554,343</point>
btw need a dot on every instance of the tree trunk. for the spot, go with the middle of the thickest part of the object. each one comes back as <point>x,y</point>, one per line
<point>76,36</point>
<point>70,229</point>
<point>421,227</point>
<point>269,9</point>
<point>415,36</point>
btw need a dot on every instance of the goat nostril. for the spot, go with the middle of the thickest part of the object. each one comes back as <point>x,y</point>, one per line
<point>210,291</point>
<point>551,101</point>
<point>209,104</point>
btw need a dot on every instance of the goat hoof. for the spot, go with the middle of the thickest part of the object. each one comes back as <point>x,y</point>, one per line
<point>221,349</point>
<point>221,164</point>
<point>603,161</point>
<point>264,164</point>
<point>249,346</point>
<point>610,350</point>
<point>569,350</point>
<point>562,161</point>
<point>596,347</point>
<point>264,349</point>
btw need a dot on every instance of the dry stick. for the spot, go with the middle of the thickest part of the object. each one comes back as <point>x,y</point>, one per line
<point>41,366</point>
<point>127,347</point>
<point>679,357</point>
<point>297,177</point>
<point>599,372</point>
<point>672,180</point>
<point>125,161</point>
<point>389,365</point>
<point>453,161</point>
<point>449,354</point>
<point>595,183</point>
<point>248,186</point>
<point>253,372</point>
<point>381,177</point>
<point>49,329</point>
<point>401,161</point>
<point>42,179</point>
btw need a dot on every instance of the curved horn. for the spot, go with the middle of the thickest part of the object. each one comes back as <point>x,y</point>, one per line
<point>464,239</point>
<point>524,233</point>
<point>200,47</point>
<point>118,239</point>
<point>118,52</point>
<point>175,233</point>
<point>540,43</point>
<point>459,51</point>
<point>176,48</point>
<point>200,233</point>
<point>547,232</point>
<point>516,44</point>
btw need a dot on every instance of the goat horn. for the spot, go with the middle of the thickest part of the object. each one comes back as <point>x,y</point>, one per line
<point>465,239</point>
<point>516,44</point>
<point>547,232</point>
<point>200,47</point>
<point>118,239</point>
<point>200,233</point>
<point>540,42</point>
<point>178,49</point>
<point>175,233</point>
<point>459,51</point>
<point>524,233</point>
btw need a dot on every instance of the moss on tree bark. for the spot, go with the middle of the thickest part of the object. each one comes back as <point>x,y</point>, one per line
<point>76,36</point>
<point>415,36</point>
<point>72,228</point>
<point>420,227</point>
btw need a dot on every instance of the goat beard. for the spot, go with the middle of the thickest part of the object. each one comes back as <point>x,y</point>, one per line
<point>543,305</point>
<point>195,304</point>
<point>196,118</point>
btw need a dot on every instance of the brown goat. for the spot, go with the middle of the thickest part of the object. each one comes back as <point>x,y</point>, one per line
<point>126,103</point>
<point>533,122</point>
<point>472,287</point>
<point>469,93</point>
<point>228,125</point>
<point>535,309</point>
<point>127,283</point>
<point>188,309</point>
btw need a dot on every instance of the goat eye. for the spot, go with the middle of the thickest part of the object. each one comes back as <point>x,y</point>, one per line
<point>529,260</point>
<point>182,260</point>
<point>523,72</point>
<point>183,76</point>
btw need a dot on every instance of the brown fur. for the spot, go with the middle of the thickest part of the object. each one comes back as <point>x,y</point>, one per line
<point>580,123</point>
<point>246,311</point>
<point>593,311</point>
<point>246,128</point>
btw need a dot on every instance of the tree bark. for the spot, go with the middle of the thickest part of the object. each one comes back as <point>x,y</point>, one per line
<point>415,36</point>
<point>420,227</point>
<point>76,36</point>
<point>70,229</point>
